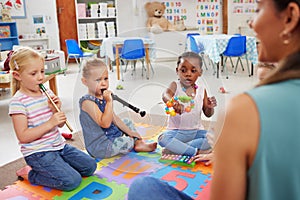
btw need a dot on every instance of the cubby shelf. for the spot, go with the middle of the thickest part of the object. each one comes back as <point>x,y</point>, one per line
<point>7,43</point>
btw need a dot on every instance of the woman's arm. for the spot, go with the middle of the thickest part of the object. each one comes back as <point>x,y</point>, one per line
<point>235,149</point>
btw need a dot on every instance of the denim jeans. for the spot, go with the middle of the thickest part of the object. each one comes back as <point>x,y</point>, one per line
<point>185,142</point>
<point>60,169</point>
<point>149,188</point>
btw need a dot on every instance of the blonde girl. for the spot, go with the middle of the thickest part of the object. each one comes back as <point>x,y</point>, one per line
<point>105,134</point>
<point>51,162</point>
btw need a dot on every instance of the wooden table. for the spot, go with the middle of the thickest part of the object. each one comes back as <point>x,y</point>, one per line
<point>52,83</point>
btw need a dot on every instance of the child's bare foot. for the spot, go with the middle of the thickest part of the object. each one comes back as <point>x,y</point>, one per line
<point>141,146</point>
<point>23,172</point>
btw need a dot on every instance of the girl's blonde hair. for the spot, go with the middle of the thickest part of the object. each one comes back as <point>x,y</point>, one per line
<point>90,64</point>
<point>19,60</point>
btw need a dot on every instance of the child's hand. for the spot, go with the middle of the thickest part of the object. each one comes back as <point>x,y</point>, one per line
<point>107,95</point>
<point>57,102</point>
<point>212,102</point>
<point>179,108</point>
<point>58,119</point>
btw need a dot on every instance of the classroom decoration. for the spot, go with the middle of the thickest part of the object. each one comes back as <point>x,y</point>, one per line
<point>175,100</point>
<point>156,22</point>
<point>243,6</point>
<point>176,10</point>
<point>15,7</point>
<point>209,15</point>
<point>114,176</point>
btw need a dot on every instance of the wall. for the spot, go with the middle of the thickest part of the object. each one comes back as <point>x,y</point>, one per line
<point>47,9</point>
<point>132,16</point>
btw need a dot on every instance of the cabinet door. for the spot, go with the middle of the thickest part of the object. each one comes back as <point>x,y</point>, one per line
<point>67,22</point>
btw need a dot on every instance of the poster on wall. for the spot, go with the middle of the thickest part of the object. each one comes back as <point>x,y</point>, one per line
<point>176,10</point>
<point>243,6</point>
<point>239,14</point>
<point>16,8</point>
<point>209,16</point>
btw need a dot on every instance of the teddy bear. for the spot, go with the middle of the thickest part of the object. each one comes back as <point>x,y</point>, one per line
<point>156,22</point>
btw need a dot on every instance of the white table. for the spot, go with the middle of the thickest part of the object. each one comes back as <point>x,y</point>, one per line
<point>215,45</point>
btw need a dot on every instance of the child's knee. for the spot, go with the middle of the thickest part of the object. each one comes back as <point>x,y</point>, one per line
<point>162,140</point>
<point>71,182</point>
<point>91,168</point>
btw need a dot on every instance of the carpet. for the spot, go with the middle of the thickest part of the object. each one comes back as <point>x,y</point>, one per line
<point>113,176</point>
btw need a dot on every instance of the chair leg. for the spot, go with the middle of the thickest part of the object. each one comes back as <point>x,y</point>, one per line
<point>126,65</point>
<point>213,66</point>
<point>249,74</point>
<point>121,68</point>
<point>241,63</point>
<point>143,67</point>
<point>203,59</point>
<point>80,63</point>
<point>225,70</point>
<point>231,62</point>
<point>224,64</point>
<point>151,67</point>
<point>67,62</point>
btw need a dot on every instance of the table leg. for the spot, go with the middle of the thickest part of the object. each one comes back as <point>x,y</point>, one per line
<point>108,61</point>
<point>118,61</point>
<point>52,83</point>
<point>252,68</point>
<point>147,60</point>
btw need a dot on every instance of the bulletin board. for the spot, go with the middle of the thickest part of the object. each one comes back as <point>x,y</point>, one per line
<point>206,15</point>
<point>17,8</point>
<point>239,14</point>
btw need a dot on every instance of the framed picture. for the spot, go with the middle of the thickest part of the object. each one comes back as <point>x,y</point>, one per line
<point>38,19</point>
<point>16,7</point>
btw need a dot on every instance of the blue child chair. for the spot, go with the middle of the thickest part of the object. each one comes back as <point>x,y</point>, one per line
<point>74,51</point>
<point>133,50</point>
<point>236,47</point>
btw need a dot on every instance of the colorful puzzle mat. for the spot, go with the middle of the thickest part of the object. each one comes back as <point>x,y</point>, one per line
<point>113,177</point>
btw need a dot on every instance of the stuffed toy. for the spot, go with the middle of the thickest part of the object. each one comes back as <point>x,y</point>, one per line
<point>156,22</point>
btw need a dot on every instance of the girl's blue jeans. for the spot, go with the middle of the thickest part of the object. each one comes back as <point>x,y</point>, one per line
<point>60,169</point>
<point>184,142</point>
<point>149,188</point>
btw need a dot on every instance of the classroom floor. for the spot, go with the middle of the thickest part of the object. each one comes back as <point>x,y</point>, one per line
<point>138,91</point>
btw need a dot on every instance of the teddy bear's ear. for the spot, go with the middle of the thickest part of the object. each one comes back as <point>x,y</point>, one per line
<point>147,5</point>
<point>163,4</point>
